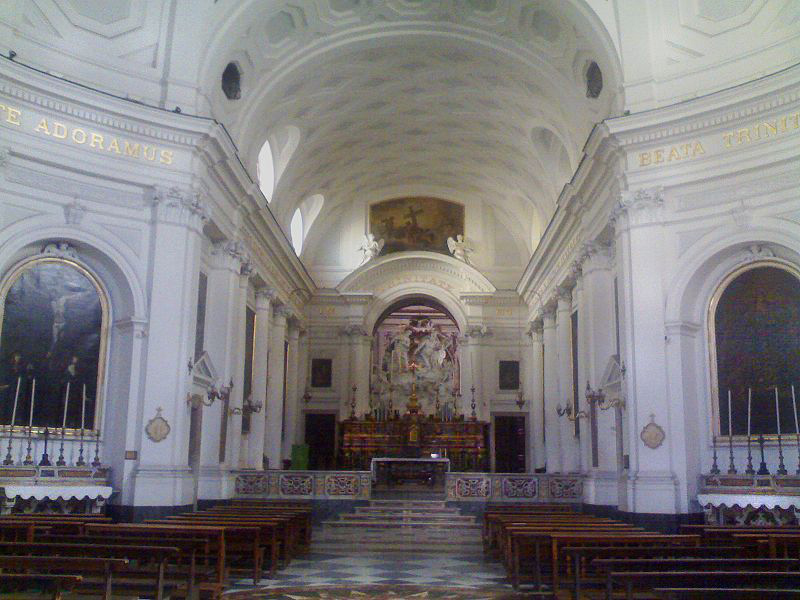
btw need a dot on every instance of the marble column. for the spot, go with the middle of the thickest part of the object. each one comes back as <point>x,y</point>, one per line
<point>273,436</point>
<point>551,390</point>
<point>264,297</point>
<point>584,439</point>
<point>292,397</point>
<point>534,393</point>
<point>570,459</point>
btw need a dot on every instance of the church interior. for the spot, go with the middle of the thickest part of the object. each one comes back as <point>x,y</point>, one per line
<point>445,299</point>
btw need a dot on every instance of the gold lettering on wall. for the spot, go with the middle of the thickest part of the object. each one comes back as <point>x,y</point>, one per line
<point>671,154</point>
<point>91,139</point>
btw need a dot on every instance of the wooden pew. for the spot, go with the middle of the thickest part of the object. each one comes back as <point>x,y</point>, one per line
<point>184,572</point>
<point>648,580</point>
<point>38,585</point>
<point>581,558</point>
<point>70,565</point>
<point>214,536</point>
<point>142,555</point>
<point>723,593</point>
<point>243,537</point>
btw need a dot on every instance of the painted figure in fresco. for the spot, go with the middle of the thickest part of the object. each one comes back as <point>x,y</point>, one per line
<point>460,248</point>
<point>370,248</point>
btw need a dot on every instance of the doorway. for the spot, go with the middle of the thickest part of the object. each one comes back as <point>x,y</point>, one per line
<point>509,443</point>
<point>320,436</point>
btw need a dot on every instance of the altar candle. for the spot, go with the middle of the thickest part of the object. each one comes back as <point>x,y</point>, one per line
<point>16,399</point>
<point>794,406</point>
<point>33,398</point>
<point>83,407</point>
<point>730,422</point>
<point>66,403</point>
<point>777,411</point>
<point>749,399</point>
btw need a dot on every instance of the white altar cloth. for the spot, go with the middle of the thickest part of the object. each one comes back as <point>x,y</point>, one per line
<point>56,492</point>
<point>743,500</point>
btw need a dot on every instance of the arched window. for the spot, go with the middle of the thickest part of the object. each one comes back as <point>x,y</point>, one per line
<point>296,230</point>
<point>755,329</point>
<point>52,345</point>
<point>265,171</point>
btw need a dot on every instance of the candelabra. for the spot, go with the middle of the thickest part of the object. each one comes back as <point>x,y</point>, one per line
<point>248,407</point>
<point>731,466</point>
<point>568,412</point>
<point>598,398</point>
<point>223,393</point>
<point>353,403</point>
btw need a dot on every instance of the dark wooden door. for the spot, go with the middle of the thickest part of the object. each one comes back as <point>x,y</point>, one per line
<point>509,444</point>
<point>321,440</point>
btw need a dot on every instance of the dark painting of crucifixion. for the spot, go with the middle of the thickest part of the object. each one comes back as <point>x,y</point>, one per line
<point>416,223</point>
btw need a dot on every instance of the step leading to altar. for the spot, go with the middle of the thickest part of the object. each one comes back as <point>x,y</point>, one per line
<point>401,526</point>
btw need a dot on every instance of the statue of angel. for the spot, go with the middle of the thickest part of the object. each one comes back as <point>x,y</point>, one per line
<point>370,247</point>
<point>460,248</point>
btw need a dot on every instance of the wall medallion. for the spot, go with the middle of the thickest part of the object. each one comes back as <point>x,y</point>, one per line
<point>157,428</point>
<point>652,434</point>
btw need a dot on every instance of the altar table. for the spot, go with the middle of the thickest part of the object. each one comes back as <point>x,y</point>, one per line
<point>392,474</point>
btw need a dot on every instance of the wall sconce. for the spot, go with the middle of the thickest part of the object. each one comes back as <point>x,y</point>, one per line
<point>223,393</point>
<point>307,396</point>
<point>248,407</point>
<point>520,401</point>
<point>568,410</point>
<point>598,398</point>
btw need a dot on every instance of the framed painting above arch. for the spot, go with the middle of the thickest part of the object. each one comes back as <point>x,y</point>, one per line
<point>54,316</point>
<point>754,346</point>
<point>419,223</point>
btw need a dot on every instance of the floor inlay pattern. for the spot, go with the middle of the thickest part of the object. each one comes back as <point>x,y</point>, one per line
<point>443,577</point>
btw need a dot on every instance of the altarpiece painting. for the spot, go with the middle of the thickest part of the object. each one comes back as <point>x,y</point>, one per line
<point>416,223</point>
<point>52,344</point>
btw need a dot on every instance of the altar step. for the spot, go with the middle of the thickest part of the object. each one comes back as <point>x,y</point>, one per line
<point>401,526</point>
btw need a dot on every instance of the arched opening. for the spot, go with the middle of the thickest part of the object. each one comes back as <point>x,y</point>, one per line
<point>415,342</point>
<point>265,171</point>
<point>53,344</point>
<point>755,342</point>
<point>296,230</point>
<point>232,82</point>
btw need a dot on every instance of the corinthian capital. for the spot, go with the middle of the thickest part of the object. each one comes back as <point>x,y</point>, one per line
<point>232,255</point>
<point>179,206</point>
<point>639,206</point>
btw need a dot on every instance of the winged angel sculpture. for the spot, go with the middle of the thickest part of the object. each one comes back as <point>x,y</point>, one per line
<point>460,248</point>
<point>370,248</point>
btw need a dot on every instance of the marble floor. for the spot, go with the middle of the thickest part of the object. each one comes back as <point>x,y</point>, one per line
<point>317,569</point>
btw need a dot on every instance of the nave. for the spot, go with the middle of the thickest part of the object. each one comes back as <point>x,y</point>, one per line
<point>260,549</point>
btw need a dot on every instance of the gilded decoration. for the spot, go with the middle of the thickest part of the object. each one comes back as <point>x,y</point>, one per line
<point>53,336</point>
<point>419,223</point>
<point>157,428</point>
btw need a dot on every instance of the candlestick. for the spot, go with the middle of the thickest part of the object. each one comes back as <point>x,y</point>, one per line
<point>33,399</point>
<point>777,411</point>
<point>796,430</point>
<point>96,460</point>
<point>80,462</point>
<point>16,399</point>
<point>66,403</point>
<point>28,458</point>
<point>45,461</point>
<point>730,421</point>
<point>83,409</point>
<point>61,462</point>
<point>9,460</point>
<point>762,468</point>
<point>714,467</point>
<point>731,466</point>
<point>749,412</point>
